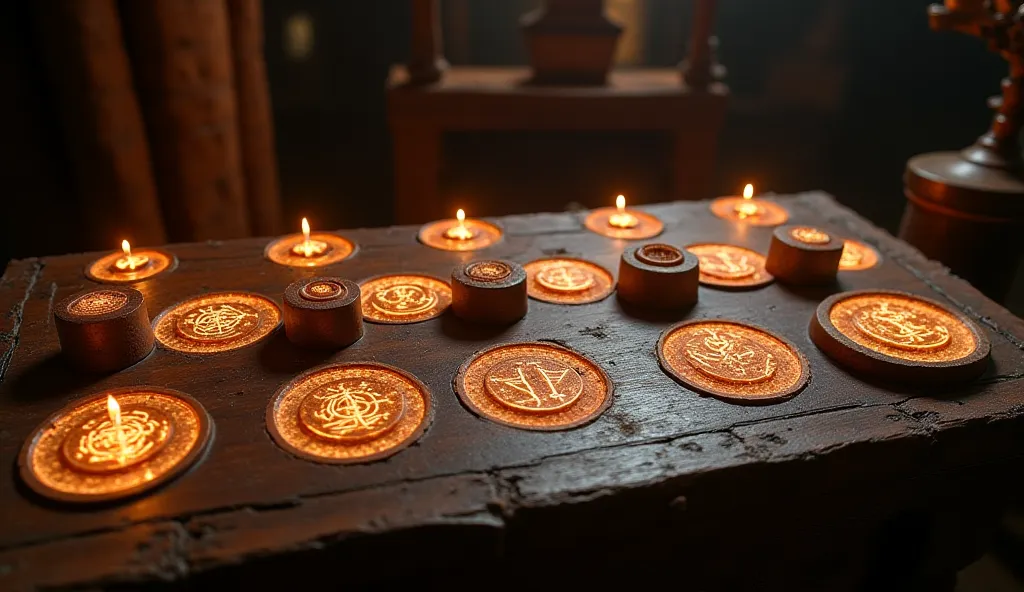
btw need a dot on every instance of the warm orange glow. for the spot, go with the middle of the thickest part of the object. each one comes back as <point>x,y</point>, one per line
<point>309,247</point>
<point>114,411</point>
<point>460,231</point>
<point>621,218</point>
<point>748,191</point>
<point>129,262</point>
<point>749,206</point>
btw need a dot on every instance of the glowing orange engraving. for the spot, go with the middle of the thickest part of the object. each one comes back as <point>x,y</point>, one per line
<point>488,271</point>
<point>900,326</point>
<point>811,236</point>
<point>352,409</point>
<point>218,322</point>
<point>404,299</point>
<point>727,263</point>
<point>729,356</point>
<point>534,384</point>
<point>322,290</point>
<point>566,278</point>
<point>857,256</point>
<point>116,440</point>
<point>98,303</point>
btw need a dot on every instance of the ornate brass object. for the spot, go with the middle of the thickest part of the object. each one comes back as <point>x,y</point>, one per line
<point>323,249</point>
<point>645,225</point>
<point>86,453</point>
<point>403,299</point>
<point>899,336</point>
<point>152,262</point>
<point>349,413</point>
<point>733,361</point>
<point>533,386</point>
<point>98,303</point>
<point>857,256</point>
<point>217,322</point>
<point>729,266</point>
<point>566,280</point>
<point>478,235</point>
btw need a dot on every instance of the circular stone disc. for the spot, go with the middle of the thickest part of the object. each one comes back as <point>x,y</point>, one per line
<point>216,322</point>
<point>97,303</point>
<point>403,299</point>
<point>729,266</point>
<point>647,225</point>
<point>899,336</point>
<point>770,213</point>
<point>564,280</point>
<point>103,270</point>
<point>733,361</point>
<point>485,234</point>
<point>349,413</point>
<point>558,388</point>
<point>338,249</point>
<point>857,256</point>
<point>76,455</point>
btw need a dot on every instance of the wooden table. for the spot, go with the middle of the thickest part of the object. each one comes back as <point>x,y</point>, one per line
<point>848,485</point>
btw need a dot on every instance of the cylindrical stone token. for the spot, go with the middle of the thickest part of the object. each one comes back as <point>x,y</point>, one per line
<point>323,312</point>
<point>659,276</point>
<point>489,291</point>
<point>104,330</point>
<point>804,255</point>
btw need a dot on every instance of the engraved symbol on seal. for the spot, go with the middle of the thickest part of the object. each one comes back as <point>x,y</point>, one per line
<point>404,299</point>
<point>99,446</point>
<point>726,264</point>
<point>98,303</point>
<point>810,236</point>
<point>565,278</point>
<point>322,290</point>
<point>218,322</point>
<point>900,326</point>
<point>537,385</point>
<point>352,410</point>
<point>488,271</point>
<point>729,356</point>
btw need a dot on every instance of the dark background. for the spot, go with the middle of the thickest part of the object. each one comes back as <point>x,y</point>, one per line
<point>827,94</point>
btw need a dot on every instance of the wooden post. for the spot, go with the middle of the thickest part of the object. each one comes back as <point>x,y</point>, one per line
<point>255,121</point>
<point>426,61</point>
<point>183,66</point>
<point>699,68</point>
<point>89,68</point>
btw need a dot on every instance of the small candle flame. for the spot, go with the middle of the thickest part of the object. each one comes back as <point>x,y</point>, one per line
<point>309,247</point>
<point>621,218</point>
<point>114,411</point>
<point>305,230</point>
<point>461,217</point>
<point>128,262</point>
<point>748,191</point>
<point>748,207</point>
<point>620,203</point>
<point>460,231</point>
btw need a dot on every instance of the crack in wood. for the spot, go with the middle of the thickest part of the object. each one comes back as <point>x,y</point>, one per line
<point>17,314</point>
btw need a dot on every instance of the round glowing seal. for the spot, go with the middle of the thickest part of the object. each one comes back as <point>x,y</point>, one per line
<point>472,234</point>
<point>144,264</point>
<point>217,322</point>
<point>403,299</point>
<point>321,290</point>
<point>733,361</point>
<point>534,386</point>
<point>95,450</point>
<point>899,336</point>
<point>729,266</point>
<point>641,225</point>
<point>322,248</point>
<point>810,235</point>
<point>564,280</point>
<point>756,212</point>
<point>857,256</point>
<point>349,413</point>
<point>97,303</point>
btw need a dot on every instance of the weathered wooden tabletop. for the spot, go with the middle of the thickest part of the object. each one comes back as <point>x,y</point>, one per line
<point>849,484</point>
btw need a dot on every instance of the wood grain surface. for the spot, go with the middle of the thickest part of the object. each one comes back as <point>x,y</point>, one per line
<point>849,485</point>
